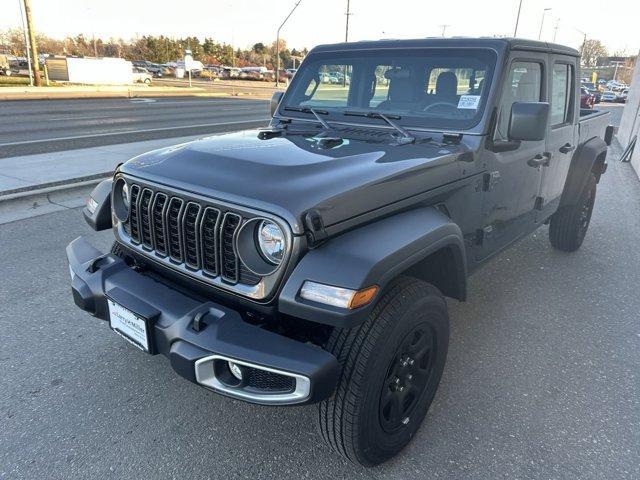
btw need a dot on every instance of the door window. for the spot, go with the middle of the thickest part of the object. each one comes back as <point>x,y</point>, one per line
<point>524,84</point>
<point>561,88</point>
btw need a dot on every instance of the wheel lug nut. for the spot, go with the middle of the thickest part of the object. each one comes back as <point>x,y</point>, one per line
<point>409,377</point>
<point>411,361</point>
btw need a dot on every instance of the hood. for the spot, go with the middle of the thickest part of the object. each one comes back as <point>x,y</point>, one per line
<point>292,174</point>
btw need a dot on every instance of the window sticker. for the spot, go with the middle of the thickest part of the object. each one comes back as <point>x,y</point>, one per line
<point>469,102</point>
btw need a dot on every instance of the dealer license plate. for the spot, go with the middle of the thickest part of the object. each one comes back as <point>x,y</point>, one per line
<point>128,325</point>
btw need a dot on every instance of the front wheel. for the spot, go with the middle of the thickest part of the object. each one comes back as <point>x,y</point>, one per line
<point>570,223</point>
<point>391,368</point>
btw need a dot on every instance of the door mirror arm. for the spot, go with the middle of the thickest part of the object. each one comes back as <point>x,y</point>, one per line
<point>499,146</point>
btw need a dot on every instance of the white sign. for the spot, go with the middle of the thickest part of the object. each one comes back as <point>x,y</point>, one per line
<point>469,102</point>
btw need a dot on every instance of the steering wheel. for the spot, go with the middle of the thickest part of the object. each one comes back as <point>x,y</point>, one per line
<point>440,104</point>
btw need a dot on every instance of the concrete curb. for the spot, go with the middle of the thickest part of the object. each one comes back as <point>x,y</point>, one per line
<point>60,186</point>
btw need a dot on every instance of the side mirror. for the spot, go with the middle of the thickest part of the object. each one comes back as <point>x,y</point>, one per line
<point>275,101</point>
<point>528,121</point>
<point>97,212</point>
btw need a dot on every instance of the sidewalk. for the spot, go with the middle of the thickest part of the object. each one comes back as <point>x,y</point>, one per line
<point>45,170</point>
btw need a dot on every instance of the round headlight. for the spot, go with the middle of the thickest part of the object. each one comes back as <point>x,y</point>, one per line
<point>271,241</point>
<point>121,199</point>
<point>125,196</point>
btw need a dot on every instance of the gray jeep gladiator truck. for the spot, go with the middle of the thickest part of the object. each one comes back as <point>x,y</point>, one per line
<point>309,261</point>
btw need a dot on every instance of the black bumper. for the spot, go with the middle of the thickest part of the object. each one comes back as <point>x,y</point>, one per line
<point>170,315</point>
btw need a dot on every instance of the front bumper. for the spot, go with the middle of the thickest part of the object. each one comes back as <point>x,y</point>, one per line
<point>218,335</point>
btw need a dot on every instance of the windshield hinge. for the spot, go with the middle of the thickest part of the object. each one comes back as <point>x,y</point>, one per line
<point>270,132</point>
<point>314,228</point>
<point>451,138</point>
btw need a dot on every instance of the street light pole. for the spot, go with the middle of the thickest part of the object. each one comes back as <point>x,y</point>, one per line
<point>26,43</point>
<point>444,29</point>
<point>555,30</point>
<point>544,13</point>
<point>515,31</point>
<point>278,43</point>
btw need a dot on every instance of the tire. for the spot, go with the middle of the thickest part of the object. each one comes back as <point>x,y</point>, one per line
<point>406,334</point>
<point>569,225</point>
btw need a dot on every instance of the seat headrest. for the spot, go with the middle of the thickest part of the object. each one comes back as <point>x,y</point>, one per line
<point>394,73</point>
<point>447,84</point>
<point>528,89</point>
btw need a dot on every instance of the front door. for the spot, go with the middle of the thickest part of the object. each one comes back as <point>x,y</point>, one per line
<point>512,184</point>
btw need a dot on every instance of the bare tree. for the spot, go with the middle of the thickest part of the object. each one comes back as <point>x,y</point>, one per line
<point>590,51</point>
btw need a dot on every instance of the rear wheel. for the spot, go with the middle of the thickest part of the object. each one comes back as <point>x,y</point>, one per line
<point>391,368</point>
<point>570,223</point>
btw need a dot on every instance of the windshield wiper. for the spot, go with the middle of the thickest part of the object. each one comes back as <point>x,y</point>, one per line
<point>314,112</point>
<point>406,136</point>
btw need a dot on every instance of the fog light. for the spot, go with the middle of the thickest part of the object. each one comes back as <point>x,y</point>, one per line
<point>236,370</point>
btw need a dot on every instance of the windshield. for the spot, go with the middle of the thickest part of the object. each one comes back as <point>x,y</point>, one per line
<point>428,88</point>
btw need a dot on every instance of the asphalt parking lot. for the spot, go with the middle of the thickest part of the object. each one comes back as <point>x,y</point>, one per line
<point>541,380</point>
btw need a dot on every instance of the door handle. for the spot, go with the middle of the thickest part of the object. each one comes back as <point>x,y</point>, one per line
<point>566,148</point>
<point>541,159</point>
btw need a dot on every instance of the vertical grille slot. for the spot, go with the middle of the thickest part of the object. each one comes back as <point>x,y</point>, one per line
<point>229,258</point>
<point>145,218</point>
<point>134,227</point>
<point>158,209</point>
<point>190,221</point>
<point>208,228</point>
<point>174,230</point>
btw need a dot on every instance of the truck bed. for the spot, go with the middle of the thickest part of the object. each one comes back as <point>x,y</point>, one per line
<point>592,123</point>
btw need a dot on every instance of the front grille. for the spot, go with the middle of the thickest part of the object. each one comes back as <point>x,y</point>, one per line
<point>188,233</point>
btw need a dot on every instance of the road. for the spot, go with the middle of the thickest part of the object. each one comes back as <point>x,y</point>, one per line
<point>39,126</point>
<point>541,381</point>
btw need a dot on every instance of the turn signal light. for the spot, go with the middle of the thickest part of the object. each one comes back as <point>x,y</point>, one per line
<point>338,296</point>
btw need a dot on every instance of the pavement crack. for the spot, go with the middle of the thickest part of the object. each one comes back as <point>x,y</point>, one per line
<point>56,203</point>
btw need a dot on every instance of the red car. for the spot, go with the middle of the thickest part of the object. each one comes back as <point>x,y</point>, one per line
<point>586,99</point>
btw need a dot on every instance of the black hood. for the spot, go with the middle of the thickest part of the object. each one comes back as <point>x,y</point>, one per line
<point>292,174</point>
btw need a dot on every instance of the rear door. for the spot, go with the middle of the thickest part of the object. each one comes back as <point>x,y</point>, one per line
<point>562,138</point>
<point>512,185</point>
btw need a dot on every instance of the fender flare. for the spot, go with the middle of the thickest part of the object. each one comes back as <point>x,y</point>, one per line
<point>590,157</point>
<point>373,254</point>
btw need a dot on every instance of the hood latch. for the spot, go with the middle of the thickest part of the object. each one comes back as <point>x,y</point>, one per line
<point>314,228</point>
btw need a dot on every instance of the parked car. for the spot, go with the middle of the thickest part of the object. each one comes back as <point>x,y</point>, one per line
<point>157,71</point>
<point>587,100</point>
<point>609,96</point>
<point>622,96</point>
<point>284,266</point>
<point>141,75</point>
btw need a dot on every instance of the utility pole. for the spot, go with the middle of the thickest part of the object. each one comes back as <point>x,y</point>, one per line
<point>32,41</point>
<point>615,72</point>
<point>515,31</point>
<point>544,13</point>
<point>444,29</point>
<point>555,30</point>
<point>278,42</point>
<point>26,42</point>
<point>348,14</point>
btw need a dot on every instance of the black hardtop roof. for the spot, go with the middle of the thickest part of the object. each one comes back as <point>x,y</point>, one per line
<point>498,44</point>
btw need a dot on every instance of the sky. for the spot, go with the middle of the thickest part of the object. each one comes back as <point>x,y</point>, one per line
<point>245,22</point>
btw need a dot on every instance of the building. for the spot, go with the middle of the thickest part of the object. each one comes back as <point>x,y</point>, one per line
<point>630,123</point>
